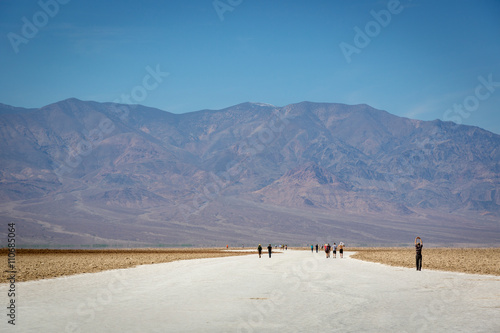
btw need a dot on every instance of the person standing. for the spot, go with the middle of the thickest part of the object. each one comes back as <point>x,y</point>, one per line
<point>312,248</point>
<point>341,250</point>
<point>334,250</point>
<point>418,247</point>
<point>317,248</point>
<point>327,250</point>
<point>270,250</point>
<point>260,250</point>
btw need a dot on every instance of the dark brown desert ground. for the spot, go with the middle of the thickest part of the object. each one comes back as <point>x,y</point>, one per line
<point>36,264</point>
<point>465,260</point>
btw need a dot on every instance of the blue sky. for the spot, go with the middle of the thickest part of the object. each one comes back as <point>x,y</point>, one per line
<point>421,59</point>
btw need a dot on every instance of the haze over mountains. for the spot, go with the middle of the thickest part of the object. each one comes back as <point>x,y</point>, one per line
<point>78,172</point>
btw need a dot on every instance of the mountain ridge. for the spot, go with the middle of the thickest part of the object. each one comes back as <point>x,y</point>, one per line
<point>130,165</point>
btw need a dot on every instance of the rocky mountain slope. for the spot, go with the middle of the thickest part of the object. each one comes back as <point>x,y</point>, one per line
<point>78,172</point>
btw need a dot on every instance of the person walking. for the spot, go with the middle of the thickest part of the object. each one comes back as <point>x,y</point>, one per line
<point>334,250</point>
<point>327,250</point>
<point>260,250</point>
<point>418,248</point>
<point>270,250</point>
<point>341,250</point>
<point>317,248</point>
<point>312,248</point>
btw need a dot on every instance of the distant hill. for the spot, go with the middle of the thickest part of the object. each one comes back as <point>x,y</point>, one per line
<point>77,172</point>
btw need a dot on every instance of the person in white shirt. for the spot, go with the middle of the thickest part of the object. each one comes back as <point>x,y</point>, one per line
<point>334,250</point>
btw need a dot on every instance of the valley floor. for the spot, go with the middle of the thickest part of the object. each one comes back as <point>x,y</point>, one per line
<point>295,291</point>
<point>36,264</point>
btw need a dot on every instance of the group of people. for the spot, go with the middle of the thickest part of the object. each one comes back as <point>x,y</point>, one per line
<point>269,250</point>
<point>331,248</point>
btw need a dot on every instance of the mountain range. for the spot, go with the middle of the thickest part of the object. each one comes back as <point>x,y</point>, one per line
<point>81,172</point>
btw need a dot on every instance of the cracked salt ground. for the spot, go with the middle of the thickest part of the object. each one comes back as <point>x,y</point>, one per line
<point>296,291</point>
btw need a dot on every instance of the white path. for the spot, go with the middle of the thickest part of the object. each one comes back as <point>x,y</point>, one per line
<point>291,292</point>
